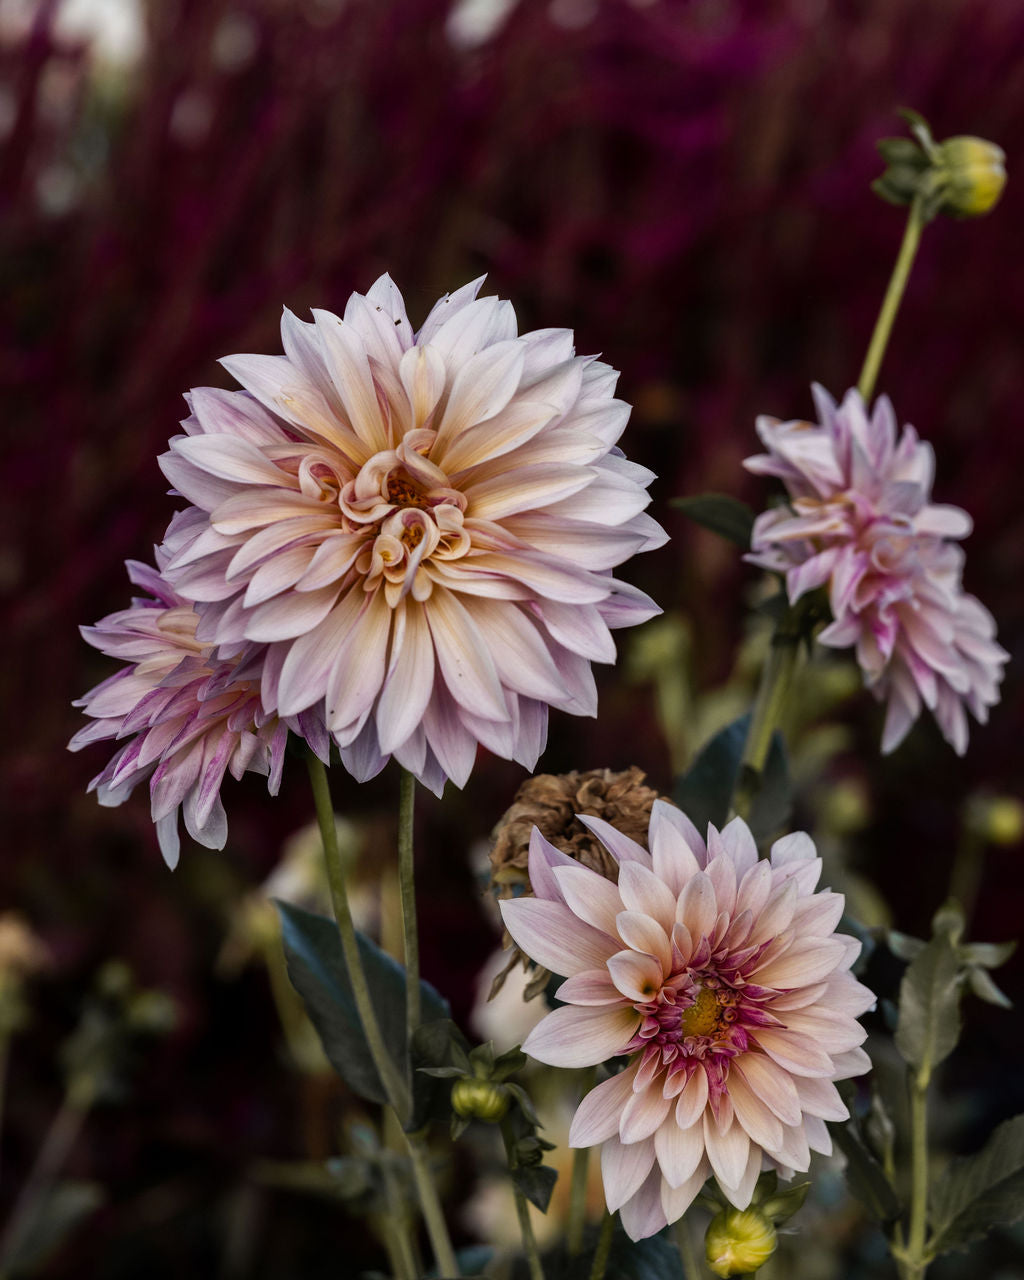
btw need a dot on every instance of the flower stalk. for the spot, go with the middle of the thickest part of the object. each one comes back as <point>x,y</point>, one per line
<point>529,1240</point>
<point>407,892</point>
<point>776,679</point>
<point>604,1248</point>
<point>578,1187</point>
<point>891,302</point>
<point>915,1259</point>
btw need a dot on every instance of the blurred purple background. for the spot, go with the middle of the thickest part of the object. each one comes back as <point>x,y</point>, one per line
<point>684,182</point>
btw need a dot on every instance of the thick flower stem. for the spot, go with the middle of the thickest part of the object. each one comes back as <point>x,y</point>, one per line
<point>916,1259</point>
<point>776,677</point>
<point>529,1240</point>
<point>604,1248</point>
<point>430,1203</point>
<point>407,891</point>
<point>578,1188</point>
<point>891,302</point>
<point>687,1253</point>
<point>395,1087</point>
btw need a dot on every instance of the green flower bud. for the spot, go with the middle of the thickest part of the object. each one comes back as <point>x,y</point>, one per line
<point>475,1099</point>
<point>738,1241</point>
<point>975,174</point>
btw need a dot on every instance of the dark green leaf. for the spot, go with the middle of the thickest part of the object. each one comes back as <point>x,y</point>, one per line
<point>979,1191</point>
<point>728,517</point>
<point>865,1175</point>
<point>317,969</point>
<point>704,792</point>
<point>536,1182</point>
<point>437,1051</point>
<point>655,1258</point>
<point>929,1022</point>
<point>902,151</point>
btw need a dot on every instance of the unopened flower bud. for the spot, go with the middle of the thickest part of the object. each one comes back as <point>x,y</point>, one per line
<point>480,1100</point>
<point>975,174</point>
<point>738,1241</point>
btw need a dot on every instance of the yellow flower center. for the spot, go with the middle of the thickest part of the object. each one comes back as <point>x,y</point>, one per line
<point>703,1016</point>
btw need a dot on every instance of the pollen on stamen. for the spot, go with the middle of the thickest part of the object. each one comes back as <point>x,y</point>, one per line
<point>404,494</point>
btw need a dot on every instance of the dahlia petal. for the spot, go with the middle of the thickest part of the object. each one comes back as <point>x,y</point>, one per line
<point>643,1214</point>
<point>854,1062</point>
<point>462,656</point>
<point>769,1082</point>
<point>755,1116</point>
<point>644,934</point>
<point>522,659</point>
<point>693,1099</point>
<point>728,1151</point>
<point>230,458</point>
<point>820,1098</point>
<point>193,482</point>
<point>597,1117</point>
<point>798,1054</point>
<point>639,977</point>
<point>589,896</point>
<point>591,546</point>
<point>452,744</point>
<point>476,326</point>
<point>676,857</point>
<point>307,666</point>
<point>407,690</point>
<point>168,838</point>
<point>642,1115</point>
<point>516,424</point>
<point>807,960</point>
<point>619,846</point>
<point>680,1151</point>
<point>775,916</point>
<point>543,858</point>
<point>818,1137</point>
<point>624,1169</point>
<point>676,1200</point>
<point>291,617</point>
<point>361,666</point>
<point>483,386</point>
<point>347,363</point>
<point>642,891</point>
<point>608,498</point>
<point>580,628</point>
<point>233,413</point>
<point>363,758</point>
<point>549,933</point>
<point>581,1037</point>
<point>592,987</point>
<point>697,906</point>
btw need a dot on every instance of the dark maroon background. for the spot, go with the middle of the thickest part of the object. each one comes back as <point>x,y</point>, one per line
<point>686,184</point>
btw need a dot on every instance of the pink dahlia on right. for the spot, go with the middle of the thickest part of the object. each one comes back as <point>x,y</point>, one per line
<point>721,977</point>
<point>860,520</point>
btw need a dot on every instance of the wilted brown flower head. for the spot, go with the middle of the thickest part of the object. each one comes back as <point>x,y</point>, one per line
<point>551,802</point>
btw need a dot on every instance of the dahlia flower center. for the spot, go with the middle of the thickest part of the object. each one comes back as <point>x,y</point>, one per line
<point>704,1016</point>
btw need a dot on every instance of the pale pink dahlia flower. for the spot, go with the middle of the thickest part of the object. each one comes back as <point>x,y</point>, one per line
<point>421,527</point>
<point>722,979</point>
<point>188,716</point>
<point>861,520</point>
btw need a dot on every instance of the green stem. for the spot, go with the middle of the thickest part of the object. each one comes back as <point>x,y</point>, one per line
<point>578,1189</point>
<point>916,1259</point>
<point>604,1248</point>
<point>776,678</point>
<point>60,1138</point>
<point>529,1240</point>
<point>687,1253</point>
<point>395,1087</point>
<point>891,302</point>
<point>430,1203</point>
<point>5,1046</point>
<point>407,892</point>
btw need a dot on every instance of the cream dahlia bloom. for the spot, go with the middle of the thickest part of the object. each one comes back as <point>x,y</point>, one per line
<point>420,527</point>
<point>721,978</point>
<point>861,520</point>
<point>188,716</point>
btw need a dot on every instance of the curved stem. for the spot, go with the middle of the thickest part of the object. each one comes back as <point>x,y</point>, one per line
<point>430,1203</point>
<point>917,1261</point>
<point>891,302</point>
<point>407,892</point>
<point>578,1189</point>
<point>395,1087</point>
<point>776,677</point>
<point>523,1212</point>
<point>604,1248</point>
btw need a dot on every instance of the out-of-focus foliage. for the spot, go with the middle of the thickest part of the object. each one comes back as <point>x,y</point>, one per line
<point>686,182</point>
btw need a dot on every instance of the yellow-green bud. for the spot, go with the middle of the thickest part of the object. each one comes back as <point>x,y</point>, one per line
<point>738,1241</point>
<point>475,1099</point>
<point>975,174</point>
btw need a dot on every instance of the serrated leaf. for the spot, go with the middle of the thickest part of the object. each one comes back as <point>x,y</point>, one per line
<point>929,1019</point>
<point>977,1192</point>
<point>726,516</point>
<point>865,1175</point>
<point>317,969</point>
<point>536,1182</point>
